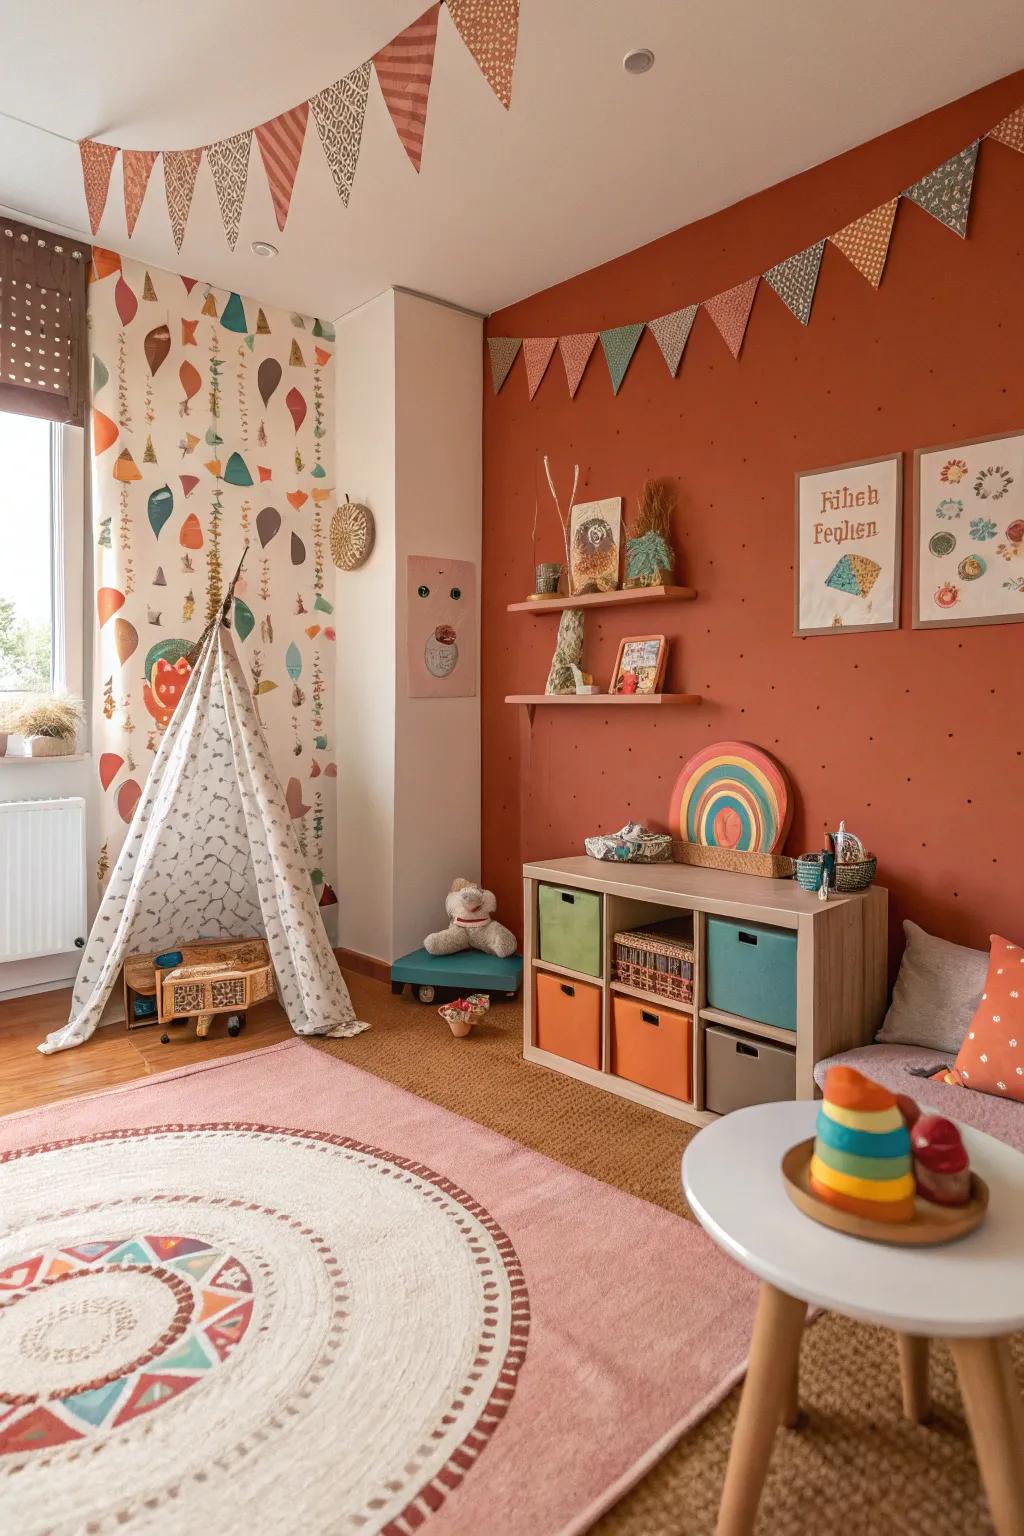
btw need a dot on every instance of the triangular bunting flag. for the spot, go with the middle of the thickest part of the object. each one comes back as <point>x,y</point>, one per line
<point>672,332</point>
<point>490,30</point>
<point>619,344</point>
<point>731,312</point>
<point>537,352</point>
<point>865,242</point>
<point>404,68</point>
<point>795,279</point>
<point>504,350</point>
<point>945,193</point>
<point>180,168</point>
<point>229,161</point>
<point>97,164</point>
<point>338,113</point>
<point>280,143</point>
<point>1010,131</point>
<point>136,168</point>
<point>576,352</point>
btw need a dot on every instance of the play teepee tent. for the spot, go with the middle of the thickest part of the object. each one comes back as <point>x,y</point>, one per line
<point>211,854</point>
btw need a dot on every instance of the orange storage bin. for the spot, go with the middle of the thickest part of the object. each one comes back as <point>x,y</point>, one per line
<point>652,1045</point>
<point>569,1018</point>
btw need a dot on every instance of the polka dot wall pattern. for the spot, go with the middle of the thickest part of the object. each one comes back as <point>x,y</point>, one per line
<point>915,738</point>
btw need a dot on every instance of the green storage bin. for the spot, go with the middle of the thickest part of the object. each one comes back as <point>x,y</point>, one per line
<point>570,928</point>
<point>752,971</point>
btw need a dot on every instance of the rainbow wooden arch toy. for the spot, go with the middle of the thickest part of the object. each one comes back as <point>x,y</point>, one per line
<point>732,795</point>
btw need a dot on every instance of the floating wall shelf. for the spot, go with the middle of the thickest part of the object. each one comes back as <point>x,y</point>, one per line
<point>631,700</point>
<point>614,599</point>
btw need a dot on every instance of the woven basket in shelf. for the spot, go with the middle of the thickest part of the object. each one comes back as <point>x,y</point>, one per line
<point>856,876</point>
<point>657,959</point>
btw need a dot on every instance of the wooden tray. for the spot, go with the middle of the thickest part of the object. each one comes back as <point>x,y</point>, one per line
<point>776,866</point>
<point>931,1224</point>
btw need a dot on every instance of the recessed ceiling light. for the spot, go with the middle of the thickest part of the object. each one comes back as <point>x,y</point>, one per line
<point>638,61</point>
<point>263,248</point>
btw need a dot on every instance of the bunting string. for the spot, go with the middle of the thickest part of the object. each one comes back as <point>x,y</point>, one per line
<point>944,193</point>
<point>489,29</point>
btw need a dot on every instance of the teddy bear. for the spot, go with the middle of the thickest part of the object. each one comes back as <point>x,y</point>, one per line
<point>472,925</point>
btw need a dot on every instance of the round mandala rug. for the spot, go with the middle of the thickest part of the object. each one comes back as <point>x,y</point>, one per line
<point>245,1328</point>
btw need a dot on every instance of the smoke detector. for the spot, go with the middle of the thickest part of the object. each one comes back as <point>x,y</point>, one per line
<point>638,61</point>
<point>263,248</point>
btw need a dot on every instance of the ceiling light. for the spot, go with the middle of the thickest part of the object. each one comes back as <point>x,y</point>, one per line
<point>263,248</point>
<point>638,61</point>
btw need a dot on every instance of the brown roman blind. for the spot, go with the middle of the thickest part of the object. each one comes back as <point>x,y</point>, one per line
<point>43,347</point>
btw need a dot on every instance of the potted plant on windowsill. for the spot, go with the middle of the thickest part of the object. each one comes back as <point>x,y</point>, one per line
<point>6,727</point>
<point>49,722</point>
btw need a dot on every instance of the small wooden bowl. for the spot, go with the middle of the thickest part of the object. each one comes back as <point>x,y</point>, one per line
<point>930,1224</point>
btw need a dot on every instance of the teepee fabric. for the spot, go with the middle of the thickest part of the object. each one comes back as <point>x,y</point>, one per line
<point>211,854</point>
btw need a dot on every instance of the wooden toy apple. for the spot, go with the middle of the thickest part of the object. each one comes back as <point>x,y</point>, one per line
<point>941,1166</point>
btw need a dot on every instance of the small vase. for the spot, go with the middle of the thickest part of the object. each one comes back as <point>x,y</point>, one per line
<point>545,579</point>
<point>50,746</point>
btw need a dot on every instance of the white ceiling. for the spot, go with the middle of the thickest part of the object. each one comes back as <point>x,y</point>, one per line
<point>588,163</point>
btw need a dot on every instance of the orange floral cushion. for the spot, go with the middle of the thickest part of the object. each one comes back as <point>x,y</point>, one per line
<point>991,1057</point>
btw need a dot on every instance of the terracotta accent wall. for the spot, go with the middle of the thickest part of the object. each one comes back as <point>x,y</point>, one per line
<point>915,737</point>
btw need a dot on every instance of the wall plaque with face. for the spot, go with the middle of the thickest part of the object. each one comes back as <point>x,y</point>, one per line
<point>441,627</point>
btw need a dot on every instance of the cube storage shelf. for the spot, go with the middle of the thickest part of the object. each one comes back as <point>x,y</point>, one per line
<point>841,957</point>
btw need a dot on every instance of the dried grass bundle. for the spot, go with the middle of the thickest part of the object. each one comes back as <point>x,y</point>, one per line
<point>56,715</point>
<point>650,558</point>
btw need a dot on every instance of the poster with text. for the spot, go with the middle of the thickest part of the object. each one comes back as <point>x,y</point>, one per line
<point>441,627</point>
<point>848,542</point>
<point>969,533</point>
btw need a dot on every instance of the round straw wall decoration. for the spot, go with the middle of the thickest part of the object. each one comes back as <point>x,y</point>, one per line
<point>732,795</point>
<point>351,535</point>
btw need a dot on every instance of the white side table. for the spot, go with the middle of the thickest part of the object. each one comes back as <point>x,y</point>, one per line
<point>970,1293</point>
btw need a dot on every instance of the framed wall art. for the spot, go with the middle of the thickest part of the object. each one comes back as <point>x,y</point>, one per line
<point>849,525</point>
<point>595,531</point>
<point>969,532</point>
<point>639,664</point>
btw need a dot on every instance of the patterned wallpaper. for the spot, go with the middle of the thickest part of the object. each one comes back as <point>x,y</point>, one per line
<point>211,433</point>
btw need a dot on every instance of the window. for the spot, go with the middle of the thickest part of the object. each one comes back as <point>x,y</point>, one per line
<point>40,565</point>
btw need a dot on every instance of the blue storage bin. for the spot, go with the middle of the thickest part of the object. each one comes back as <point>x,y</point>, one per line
<point>751,971</point>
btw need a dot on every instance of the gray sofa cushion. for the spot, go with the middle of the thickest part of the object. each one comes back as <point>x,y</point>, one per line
<point>937,991</point>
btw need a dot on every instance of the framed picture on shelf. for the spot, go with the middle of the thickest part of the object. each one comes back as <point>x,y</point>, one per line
<point>969,532</point>
<point>639,665</point>
<point>849,525</point>
<point>595,533</point>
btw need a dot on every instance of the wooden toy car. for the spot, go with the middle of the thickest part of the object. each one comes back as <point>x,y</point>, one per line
<point>434,978</point>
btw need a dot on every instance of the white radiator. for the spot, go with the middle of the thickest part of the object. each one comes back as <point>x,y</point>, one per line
<point>42,877</point>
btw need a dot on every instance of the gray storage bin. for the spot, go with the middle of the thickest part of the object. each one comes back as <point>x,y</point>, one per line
<point>741,1069</point>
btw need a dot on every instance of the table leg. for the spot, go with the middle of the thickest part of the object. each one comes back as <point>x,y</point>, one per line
<point>771,1370</point>
<point>914,1377</point>
<point>982,1368</point>
<point>791,1403</point>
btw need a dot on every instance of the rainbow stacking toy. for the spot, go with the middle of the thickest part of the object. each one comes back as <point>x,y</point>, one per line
<point>861,1159</point>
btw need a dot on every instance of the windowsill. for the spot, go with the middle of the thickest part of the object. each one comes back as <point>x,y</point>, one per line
<point>63,757</point>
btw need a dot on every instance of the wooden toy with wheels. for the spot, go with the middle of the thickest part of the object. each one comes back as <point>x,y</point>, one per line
<point>438,978</point>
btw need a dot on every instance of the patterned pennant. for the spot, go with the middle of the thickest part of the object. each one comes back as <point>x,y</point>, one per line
<point>945,193</point>
<point>537,352</point>
<point>1011,131</point>
<point>672,332</point>
<point>180,169</point>
<point>404,68</point>
<point>229,162</point>
<point>338,113</point>
<point>490,30</point>
<point>97,164</point>
<point>136,168</point>
<point>731,312</point>
<point>619,343</point>
<point>504,350</point>
<point>576,352</point>
<point>795,279</point>
<point>865,242</point>
<point>280,143</point>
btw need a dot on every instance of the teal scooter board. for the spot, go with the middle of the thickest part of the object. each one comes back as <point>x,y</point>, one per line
<point>438,978</point>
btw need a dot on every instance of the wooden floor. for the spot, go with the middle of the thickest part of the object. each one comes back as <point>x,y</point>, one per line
<point>114,1055</point>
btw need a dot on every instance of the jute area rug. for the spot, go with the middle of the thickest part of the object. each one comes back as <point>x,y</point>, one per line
<point>274,1293</point>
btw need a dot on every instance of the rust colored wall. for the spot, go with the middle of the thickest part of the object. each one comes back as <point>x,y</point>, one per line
<point>915,737</point>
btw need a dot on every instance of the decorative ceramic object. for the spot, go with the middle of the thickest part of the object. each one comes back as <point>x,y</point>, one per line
<point>351,535</point>
<point>546,577</point>
<point>861,1160</point>
<point>941,1165</point>
<point>50,746</point>
<point>650,558</point>
<point>568,652</point>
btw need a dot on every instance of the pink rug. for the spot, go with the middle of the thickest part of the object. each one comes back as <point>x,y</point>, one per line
<point>274,1293</point>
